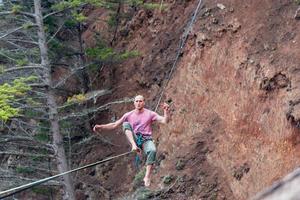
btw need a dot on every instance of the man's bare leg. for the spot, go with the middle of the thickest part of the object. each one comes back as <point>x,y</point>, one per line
<point>147,178</point>
<point>130,138</point>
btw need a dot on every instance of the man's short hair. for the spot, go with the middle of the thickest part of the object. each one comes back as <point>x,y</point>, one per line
<point>139,97</point>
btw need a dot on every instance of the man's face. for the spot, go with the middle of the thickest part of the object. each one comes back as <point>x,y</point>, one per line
<point>139,103</point>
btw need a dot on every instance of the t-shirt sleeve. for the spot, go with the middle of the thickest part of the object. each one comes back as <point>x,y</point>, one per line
<point>154,116</point>
<point>124,118</point>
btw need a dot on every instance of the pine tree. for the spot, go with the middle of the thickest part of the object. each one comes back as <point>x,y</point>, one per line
<point>31,48</point>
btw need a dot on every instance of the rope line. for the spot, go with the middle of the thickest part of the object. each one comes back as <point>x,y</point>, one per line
<point>18,189</point>
<point>181,45</point>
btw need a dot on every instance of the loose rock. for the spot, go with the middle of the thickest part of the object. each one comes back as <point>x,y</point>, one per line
<point>221,6</point>
<point>297,14</point>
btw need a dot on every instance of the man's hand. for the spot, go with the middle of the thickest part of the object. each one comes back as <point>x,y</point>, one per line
<point>97,128</point>
<point>165,107</point>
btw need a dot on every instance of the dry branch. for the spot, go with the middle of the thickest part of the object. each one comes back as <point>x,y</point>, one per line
<point>93,110</point>
<point>73,72</point>
<point>33,67</point>
<point>10,32</point>
<point>88,96</point>
<point>25,154</point>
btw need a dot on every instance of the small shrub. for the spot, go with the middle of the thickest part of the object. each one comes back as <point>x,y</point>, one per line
<point>138,179</point>
<point>129,54</point>
<point>41,190</point>
<point>16,9</point>
<point>24,170</point>
<point>112,21</point>
<point>79,98</point>
<point>144,194</point>
<point>42,137</point>
<point>168,179</point>
<point>28,25</point>
<point>61,6</point>
<point>153,6</point>
<point>102,53</point>
<point>136,2</point>
<point>2,68</point>
<point>55,46</point>
<point>21,62</point>
<point>70,23</point>
<point>79,17</point>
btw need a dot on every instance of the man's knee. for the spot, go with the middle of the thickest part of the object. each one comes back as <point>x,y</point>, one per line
<point>127,127</point>
<point>151,157</point>
<point>150,151</point>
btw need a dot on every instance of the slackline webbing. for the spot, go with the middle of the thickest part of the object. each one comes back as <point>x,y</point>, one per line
<point>18,189</point>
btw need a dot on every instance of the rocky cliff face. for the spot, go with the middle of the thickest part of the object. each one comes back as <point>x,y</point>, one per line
<point>234,99</point>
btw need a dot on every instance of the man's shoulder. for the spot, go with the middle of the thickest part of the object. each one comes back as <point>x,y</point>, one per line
<point>149,111</point>
<point>129,112</point>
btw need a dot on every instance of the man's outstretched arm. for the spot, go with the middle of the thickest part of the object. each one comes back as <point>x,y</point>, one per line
<point>109,126</point>
<point>164,119</point>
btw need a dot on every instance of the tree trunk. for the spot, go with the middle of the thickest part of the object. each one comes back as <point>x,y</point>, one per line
<point>53,114</point>
<point>82,74</point>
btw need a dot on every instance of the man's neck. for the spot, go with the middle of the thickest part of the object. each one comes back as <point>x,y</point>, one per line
<point>139,110</point>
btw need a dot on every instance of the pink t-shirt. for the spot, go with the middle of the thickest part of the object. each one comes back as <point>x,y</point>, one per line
<point>141,122</point>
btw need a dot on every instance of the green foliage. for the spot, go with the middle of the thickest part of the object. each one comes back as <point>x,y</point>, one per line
<point>16,9</point>
<point>37,158</point>
<point>8,93</point>
<point>32,102</point>
<point>55,46</point>
<point>21,62</point>
<point>146,194</point>
<point>61,6</point>
<point>297,2</point>
<point>41,190</point>
<point>112,20</point>
<point>79,98</point>
<point>168,179</point>
<point>95,2</point>
<point>79,17</point>
<point>50,24</point>
<point>93,68</point>
<point>103,53</point>
<point>66,124</point>
<point>138,179</point>
<point>153,6</point>
<point>129,54</point>
<point>2,68</point>
<point>70,23</point>
<point>42,137</point>
<point>19,57</point>
<point>135,2</point>
<point>24,170</point>
<point>75,3</point>
<point>43,130</point>
<point>30,113</point>
<point>28,25</point>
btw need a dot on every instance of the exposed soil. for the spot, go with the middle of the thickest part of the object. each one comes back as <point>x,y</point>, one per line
<point>234,101</point>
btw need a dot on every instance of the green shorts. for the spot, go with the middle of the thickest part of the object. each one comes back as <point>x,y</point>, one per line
<point>148,146</point>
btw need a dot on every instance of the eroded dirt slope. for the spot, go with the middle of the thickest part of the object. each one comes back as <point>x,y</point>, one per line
<point>234,95</point>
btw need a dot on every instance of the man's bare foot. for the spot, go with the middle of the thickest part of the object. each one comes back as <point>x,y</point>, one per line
<point>147,182</point>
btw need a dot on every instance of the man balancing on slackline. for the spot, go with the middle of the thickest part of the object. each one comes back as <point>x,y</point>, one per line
<point>137,128</point>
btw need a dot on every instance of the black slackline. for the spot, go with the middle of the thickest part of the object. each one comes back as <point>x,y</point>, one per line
<point>10,192</point>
